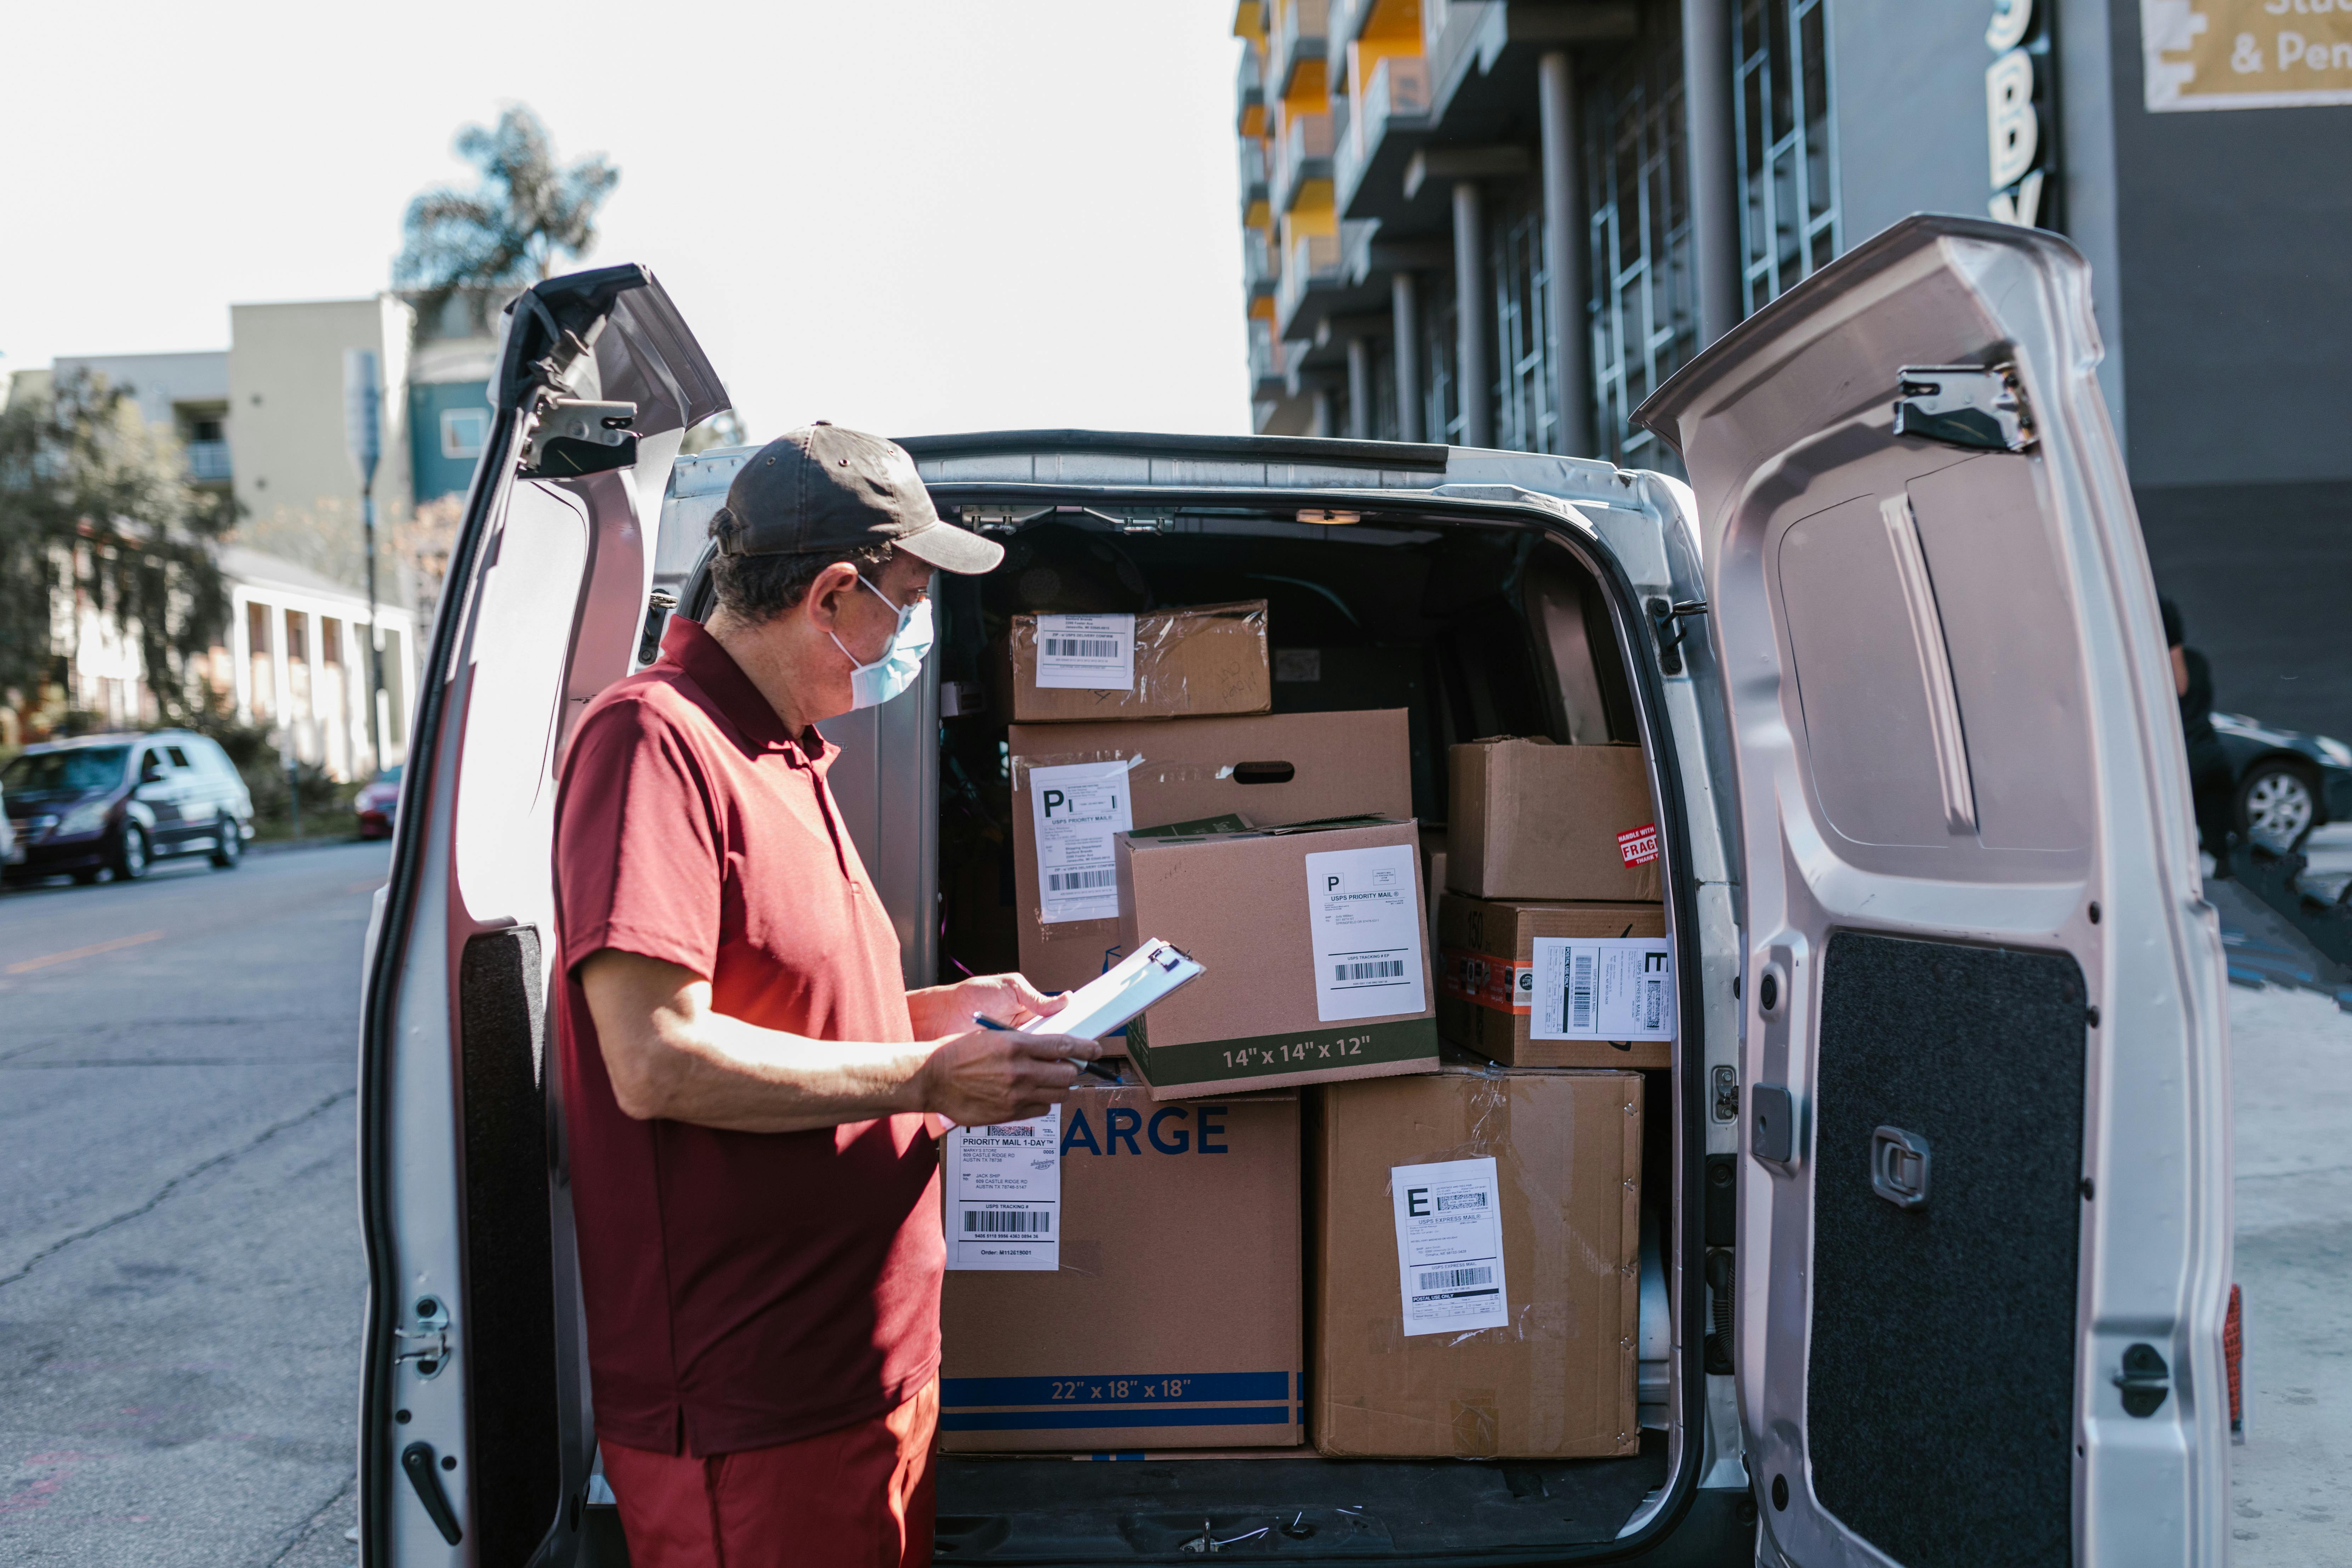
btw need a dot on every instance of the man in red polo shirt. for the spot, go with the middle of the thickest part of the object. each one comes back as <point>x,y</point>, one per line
<point>746,1077</point>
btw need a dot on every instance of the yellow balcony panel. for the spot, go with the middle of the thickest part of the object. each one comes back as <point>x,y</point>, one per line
<point>1259,213</point>
<point>1249,21</point>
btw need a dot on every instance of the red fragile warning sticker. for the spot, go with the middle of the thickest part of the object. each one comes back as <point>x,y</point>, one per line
<point>1639,845</point>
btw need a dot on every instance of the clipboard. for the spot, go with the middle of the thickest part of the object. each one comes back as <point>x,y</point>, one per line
<point>1154,971</point>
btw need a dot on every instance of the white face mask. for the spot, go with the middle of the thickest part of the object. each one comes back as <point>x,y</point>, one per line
<point>901,659</point>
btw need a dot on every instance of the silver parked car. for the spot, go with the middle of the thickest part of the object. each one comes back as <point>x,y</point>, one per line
<point>1941,1160</point>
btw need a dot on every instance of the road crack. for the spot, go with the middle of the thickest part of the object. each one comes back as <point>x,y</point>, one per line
<point>174,1184</point>
<point>310,1527</point>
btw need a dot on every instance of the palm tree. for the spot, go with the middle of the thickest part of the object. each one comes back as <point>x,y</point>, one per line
<point>510,232</point>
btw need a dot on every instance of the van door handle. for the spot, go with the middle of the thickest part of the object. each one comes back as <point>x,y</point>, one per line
<point>2145,1381</point>
<point>1898,1167</point>
<point>417,1460</point>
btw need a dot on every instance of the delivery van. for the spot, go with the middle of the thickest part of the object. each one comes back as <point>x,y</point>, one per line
<point>1932,1185</point>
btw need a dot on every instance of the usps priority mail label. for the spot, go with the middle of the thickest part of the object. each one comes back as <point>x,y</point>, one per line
<point>1449,1233</point>
<point>1004,1195</point>
<point>1085,653</point>
<point>1365,921</point>
<point>1602,988</point>
<point>1078,810</point>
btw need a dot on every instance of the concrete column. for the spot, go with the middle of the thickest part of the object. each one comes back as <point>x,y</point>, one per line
<point>1404,304</point>
<point>1714,167</point>
<point>1564,248</point>
<point>1360,387</point>
<point>1470,303</point>
<point>1320,422</point>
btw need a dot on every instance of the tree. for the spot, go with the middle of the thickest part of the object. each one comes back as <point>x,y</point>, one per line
<point>95,510</point>
<point>510,232</point>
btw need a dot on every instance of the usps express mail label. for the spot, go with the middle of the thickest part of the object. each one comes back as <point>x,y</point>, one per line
<point>1078,810</point>
<point>1085,653</point>
<point>1004,1195</point>
<point>1602,988</point>
<point>1449,1236</point>
<point>1365,919</point>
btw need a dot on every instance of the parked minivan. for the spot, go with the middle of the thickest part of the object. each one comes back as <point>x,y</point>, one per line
<point>121,802</point>
<point>1941,1157</point>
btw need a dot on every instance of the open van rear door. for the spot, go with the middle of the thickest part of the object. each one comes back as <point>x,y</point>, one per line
<point>1984,1223</point>
<point>475,1432</point>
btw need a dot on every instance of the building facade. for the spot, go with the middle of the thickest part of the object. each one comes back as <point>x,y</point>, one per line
<point>1507,222</point>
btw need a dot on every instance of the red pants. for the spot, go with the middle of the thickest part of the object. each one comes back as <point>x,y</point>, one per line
<point>857,1498</point>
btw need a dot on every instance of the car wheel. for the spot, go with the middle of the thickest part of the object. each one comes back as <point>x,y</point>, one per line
<point>228,843</point>
<point>131,859</point>
<point>2277,805</point>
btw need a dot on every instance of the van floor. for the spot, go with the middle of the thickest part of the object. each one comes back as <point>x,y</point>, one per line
<point>1054,1511</point>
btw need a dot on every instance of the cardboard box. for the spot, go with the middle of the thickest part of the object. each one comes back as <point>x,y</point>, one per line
<point>1528,819</point>
<point>1263,769</point>
<point>1486,974</point>
<point>1556,1380</point>
<point>1316,942</point>
<point>1175,1318</point>
<point>1163,664</point>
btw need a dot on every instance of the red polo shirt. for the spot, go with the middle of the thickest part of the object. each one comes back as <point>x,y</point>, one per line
<point>743,1289</point>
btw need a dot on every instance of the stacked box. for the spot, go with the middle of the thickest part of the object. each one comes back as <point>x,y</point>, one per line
<point>1188,663</point>
<point>1556,985</point>
<point>1533,820</point>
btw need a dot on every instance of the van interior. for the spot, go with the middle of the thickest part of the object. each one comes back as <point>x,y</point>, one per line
<point>1476,629</point>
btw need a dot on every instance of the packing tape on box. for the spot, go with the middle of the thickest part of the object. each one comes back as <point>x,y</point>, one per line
<point>1131,652</point>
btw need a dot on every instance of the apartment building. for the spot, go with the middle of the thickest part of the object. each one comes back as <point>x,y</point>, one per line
<point>1507,222</point>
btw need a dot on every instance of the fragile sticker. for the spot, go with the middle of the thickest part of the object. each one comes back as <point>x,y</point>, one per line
<point>1085,653</point>
<point>1004,1195</point>
<point>1638,845</point>
<point>1449,1234</point>
<point>1602,988</point>
<point>1365,916</point>
<point>1078,810</point>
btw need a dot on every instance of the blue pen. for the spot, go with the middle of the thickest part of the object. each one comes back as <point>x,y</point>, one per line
<point>1094,1068</point>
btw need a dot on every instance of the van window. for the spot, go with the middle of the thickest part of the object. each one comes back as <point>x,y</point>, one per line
<point>179,757</point>
<point>81,768</point>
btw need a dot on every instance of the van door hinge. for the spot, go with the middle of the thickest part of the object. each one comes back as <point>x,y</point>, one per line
<point>428,1344</point>
<point>572,437</point>
<point>2145,1379</point>
<point>1979,407</point>
<point>1666,621</point>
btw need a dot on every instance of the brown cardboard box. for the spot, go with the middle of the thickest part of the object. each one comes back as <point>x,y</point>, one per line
<point>1188,663</point>
<point>1174,1321</point>
<point>1267,768</point>
<point>1316,942</point>
<point>1486,952</point>
<point>1556,1381</point>
<point>1533,820</point>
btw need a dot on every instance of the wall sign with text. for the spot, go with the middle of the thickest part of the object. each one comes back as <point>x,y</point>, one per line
<point>2246,54</point>
<point>2020,120</point>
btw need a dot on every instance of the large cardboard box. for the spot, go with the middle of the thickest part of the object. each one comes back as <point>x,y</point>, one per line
<point>1528,819</point>
<point>1486,984</point>
<point>1164,664</point>
<point>1401,1367</point>
<point>1174,1320</point>
<point>1261,769</point>
<point>1315,938</point>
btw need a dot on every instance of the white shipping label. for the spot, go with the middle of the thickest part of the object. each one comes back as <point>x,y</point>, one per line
<point>1077,810</point>
<point>1004,1195</point>
<point>1086,653</point>
<point>1366,921</point>
<point>1449,1231</point>
<point>1602,988</point>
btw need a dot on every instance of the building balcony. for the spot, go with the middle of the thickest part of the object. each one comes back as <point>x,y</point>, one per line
<point>1347,23</point>
<point>1258,269</point>
<point>1303,154</point>
<point>1303,34</point>
<point>1249,93</point>
<point>1265,360</point>
<point>1253,175</point>
<point>1314,260</point>
<point>209,462</point>
<point>1395,112</point>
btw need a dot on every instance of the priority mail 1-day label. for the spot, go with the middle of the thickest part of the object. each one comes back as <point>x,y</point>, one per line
<point>1086,653</point>
<point>1079,809</point>
<point>1638,845</point>
<point>1602,988</point>
<point>1004,1195</point>
<point>1365,916</point>
<point>1449,1234</point>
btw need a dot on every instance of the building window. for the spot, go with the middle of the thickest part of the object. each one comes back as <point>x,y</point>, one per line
<point>1441,417</point>
<point>1644,306</point>
<point>1788,160</point>
<point>1524,420</point>
<point>463,431</point>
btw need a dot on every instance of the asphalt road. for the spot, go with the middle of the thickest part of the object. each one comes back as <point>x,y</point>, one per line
<point>180,1265</point>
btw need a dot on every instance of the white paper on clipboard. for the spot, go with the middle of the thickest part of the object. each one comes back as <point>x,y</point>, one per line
<point>1153,971</point>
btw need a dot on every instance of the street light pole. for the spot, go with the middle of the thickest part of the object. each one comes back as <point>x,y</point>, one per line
<point>363,440</point>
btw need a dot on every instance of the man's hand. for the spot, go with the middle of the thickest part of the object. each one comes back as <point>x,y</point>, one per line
<point>940,1010</point>
<point>998,1075</point>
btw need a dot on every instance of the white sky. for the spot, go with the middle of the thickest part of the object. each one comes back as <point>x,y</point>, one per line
<point>908,215</point>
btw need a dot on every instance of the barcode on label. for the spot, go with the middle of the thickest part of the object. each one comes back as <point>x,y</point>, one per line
<point>1456,1278</point>
<point>1450,1203</point>
<point>1580,992</point>
<point>1073,881</point>
<point>1081,647</point>
<point>1372,969</point>
<point>1007,1222</point>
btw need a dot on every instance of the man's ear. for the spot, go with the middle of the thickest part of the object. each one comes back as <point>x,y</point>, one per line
<point>826,593</point>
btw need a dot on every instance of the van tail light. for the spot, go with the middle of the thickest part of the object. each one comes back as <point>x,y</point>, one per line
<point>2233,1357</point>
